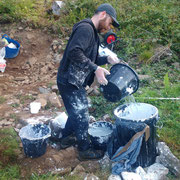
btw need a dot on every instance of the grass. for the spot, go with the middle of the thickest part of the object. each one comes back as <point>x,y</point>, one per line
<point>145,26</point>
<point>9,147</point>
<point>2,99</point>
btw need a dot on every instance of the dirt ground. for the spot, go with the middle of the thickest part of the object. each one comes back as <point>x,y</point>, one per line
<point>31,69</point>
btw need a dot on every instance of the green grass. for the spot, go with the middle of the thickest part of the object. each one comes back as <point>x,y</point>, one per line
<point>9,147</point>
<point>10,172</point>
<point>2,99</point>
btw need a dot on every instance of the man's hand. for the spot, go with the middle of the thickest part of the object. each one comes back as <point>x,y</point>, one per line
<point>100,75</point>
<point>113,60</point>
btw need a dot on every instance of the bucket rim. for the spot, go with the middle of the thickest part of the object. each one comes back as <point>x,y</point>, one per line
<point>37,138</point>
<point>141,120</point>
<point>109,123</point>
<point>100,122</point>
<point>122,64</point>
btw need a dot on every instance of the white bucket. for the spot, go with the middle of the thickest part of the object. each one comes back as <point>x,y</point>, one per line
<point>35,107</point>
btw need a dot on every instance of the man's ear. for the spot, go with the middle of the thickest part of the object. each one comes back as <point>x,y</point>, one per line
<point>103,14</point>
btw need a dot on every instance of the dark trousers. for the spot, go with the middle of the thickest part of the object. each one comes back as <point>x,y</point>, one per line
<point>76,104</point>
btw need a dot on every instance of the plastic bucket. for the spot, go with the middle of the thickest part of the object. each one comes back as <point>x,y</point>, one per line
<point>11,52</point>
<point>122,81</point>
<point>34,139</point>
<point>100,133</point>
<point>132,118</point>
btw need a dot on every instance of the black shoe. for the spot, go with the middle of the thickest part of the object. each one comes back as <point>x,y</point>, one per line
<point>67,142</point>
<point>90,154</point>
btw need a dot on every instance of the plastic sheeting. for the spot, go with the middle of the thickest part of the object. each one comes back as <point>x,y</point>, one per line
<point>126,156</point>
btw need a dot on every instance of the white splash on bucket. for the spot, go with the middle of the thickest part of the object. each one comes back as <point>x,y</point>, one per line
<point>130,90</point>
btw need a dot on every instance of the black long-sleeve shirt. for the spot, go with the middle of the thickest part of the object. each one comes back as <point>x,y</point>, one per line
<point>81,58</point>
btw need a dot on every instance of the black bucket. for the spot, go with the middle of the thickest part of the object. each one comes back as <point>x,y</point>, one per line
<point>34,139</point>
<point>100,133</point>
<point>122,81</point>
<point>133,118</point>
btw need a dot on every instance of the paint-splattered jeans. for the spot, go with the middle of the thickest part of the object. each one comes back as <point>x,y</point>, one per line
<point>76,104</point>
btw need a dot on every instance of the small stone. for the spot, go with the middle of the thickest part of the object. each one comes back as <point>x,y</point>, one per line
<point>91,177</point>
<point>61,171</point>
<point>18,126</point>
<point>54,100</point>
<point>114,177</point>
<point>42,101</point>
<point>54,88</point>
<point>78,169</point>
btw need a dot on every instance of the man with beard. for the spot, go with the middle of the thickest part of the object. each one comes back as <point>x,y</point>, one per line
<point>79,65</point>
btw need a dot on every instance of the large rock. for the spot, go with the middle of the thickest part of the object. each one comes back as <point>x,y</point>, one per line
<point>157,171</point>
<point>130,176</point>
<point>168,159</point>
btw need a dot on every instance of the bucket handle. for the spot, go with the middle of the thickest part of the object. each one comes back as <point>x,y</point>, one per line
<point>5,36</point>
<point>160,126</point>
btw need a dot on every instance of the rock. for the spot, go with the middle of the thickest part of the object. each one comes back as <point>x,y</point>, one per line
<point>49,57</point>
<point>57,58</point>
<point>44,90</point>
<point>61,171</point>
<point>90,90</point>
<point>96,91</point>
<point>20,78</point>
<point>130,176</point>
<point>43,96</point>
<point>106,118</point>
<point>114,177</point>
<point>167,159</point>
<point>158,170</point>
<point>56,7</point>
<point>57,124</point>
<point>89,102</point>
<point>30,36</point>
<point>92,119</point>
<point>20,28</point>
<point>32,61</point>
<point>5,123</point>
<point>34,120</point>
<point>58,158</point>
<point>144,77</point>
<point>139,170</point>
<point>42,101</point>
<point>19,126</point>
<point>78,169</point>
<point>54,100</point>
<point>54,88</point>
<point>176,65</point>
<point>105,163</point>
<point>91,177</point>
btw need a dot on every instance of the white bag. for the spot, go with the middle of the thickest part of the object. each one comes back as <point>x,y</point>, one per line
<point>2,60</point>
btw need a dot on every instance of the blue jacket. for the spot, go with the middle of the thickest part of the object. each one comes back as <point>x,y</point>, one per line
<point>81,58</point>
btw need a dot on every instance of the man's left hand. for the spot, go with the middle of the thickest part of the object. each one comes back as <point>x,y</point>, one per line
<point>113,60</point>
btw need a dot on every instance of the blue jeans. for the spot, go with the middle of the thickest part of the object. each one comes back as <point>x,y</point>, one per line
<point>76,104</point>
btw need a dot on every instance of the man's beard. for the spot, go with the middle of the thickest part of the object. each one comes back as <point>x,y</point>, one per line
<point>101,26</point>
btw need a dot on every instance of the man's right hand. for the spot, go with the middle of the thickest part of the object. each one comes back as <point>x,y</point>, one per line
<point>100,75</point>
